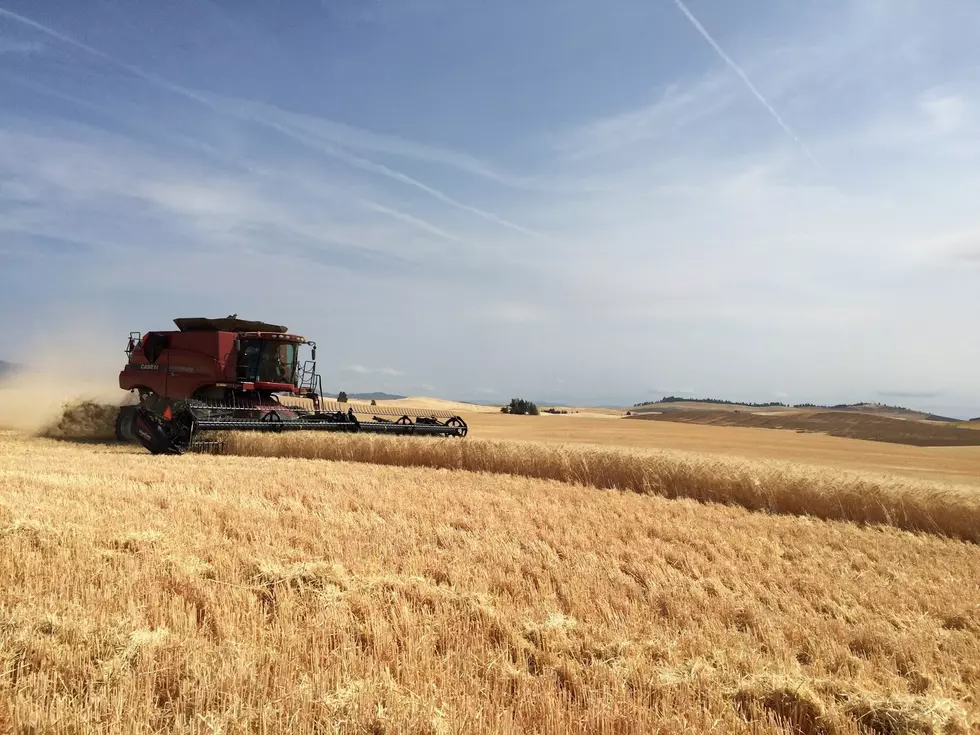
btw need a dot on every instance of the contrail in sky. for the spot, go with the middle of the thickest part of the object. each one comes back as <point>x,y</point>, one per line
<point>334,152</point>
<point>748,82</point>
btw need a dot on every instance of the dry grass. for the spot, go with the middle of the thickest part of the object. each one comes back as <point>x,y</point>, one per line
<point>230,594</point>
<point>772,487</point>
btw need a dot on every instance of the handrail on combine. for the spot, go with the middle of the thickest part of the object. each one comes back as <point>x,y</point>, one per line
<point>135,343</point>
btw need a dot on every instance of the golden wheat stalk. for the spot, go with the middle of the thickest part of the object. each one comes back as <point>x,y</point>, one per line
<point>771,487</point>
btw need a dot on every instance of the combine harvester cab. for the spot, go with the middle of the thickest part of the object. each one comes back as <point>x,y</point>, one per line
<point>212,376</point>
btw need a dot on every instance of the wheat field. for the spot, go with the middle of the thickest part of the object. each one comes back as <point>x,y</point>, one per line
<point>259,594</point>
<point>960,465</point>
<point>312,584</point>
<point>774,487</point>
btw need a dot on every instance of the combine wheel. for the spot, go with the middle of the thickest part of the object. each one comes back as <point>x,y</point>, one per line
<point>125,423</point>
<point>461,428</point>
<point>404,420</point>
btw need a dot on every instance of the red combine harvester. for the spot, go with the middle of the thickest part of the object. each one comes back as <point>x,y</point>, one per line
<point>218,375</point>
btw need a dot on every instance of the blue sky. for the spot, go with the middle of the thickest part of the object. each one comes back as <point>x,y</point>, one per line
<point>560,200</point>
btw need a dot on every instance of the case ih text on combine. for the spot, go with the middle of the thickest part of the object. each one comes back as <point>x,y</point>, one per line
<point>217,375</point>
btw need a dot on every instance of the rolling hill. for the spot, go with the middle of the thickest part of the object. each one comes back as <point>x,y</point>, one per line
<point>873,426</point>
<point>673,403</point>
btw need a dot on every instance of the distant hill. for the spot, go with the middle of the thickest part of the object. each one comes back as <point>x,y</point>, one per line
<point>881,408</point>
<point>674,403</point>
<point>852,424</point>
<point>7,368</point>
<point>375,397</point>
<point>778,404</point>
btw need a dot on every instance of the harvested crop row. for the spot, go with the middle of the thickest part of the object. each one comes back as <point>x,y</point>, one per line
<point>772,487</point>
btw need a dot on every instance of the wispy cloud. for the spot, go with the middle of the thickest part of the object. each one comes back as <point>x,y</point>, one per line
<point>245,113</point>
<point>415,222</point>
<point>947,111</point>
<point>329,149</point>
<point>938,122</point>
<point>214,202</point>
<point>48,31</point>
<point>50,182</point>
<point>353,138</point>
<point>131,68</point>
<point>13,46</point>
<point>910,393</point>
<point>744,77</point>
<point>970,255</point>
<point>676,109</point>
<point>364,370</point>
<point>962,245</point>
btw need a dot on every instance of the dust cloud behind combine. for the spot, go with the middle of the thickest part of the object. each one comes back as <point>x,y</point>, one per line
<point>68,390</point>
<point>45,405</point>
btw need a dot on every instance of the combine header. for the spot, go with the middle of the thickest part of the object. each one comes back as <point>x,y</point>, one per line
<point>219,375</point>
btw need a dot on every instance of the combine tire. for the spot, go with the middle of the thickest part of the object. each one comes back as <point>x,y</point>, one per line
<point>126,424</point>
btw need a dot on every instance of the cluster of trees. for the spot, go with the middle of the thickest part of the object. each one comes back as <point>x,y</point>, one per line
<point>520,407</point>
<point>555,410</point>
